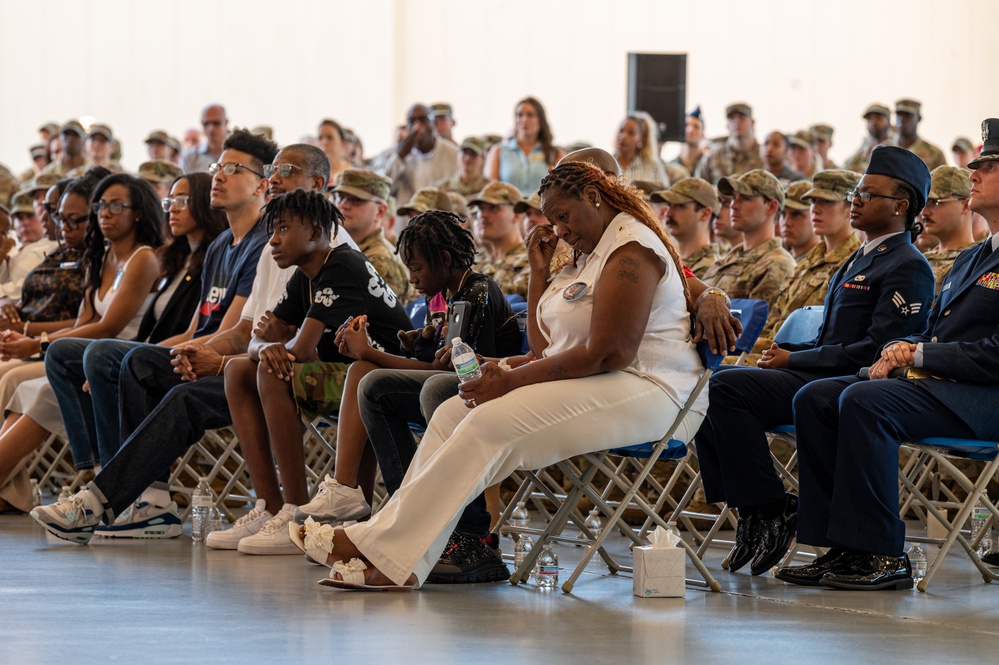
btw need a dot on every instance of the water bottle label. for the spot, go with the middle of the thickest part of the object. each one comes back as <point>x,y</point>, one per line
<point>466,364</point>
<point>980,513</point>
<point>202,501</point>
<point>548,570</point>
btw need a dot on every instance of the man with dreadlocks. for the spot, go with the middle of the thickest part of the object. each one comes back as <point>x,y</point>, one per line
<point>615,362</point>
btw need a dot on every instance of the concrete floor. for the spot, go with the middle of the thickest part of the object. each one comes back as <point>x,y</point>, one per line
<point>168,601</point>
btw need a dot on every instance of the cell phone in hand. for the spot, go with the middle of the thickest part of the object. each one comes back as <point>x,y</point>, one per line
<point>457,320</point>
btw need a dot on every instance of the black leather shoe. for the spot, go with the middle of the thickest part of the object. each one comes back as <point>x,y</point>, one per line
<point>747,541</point>
<point>991,558</point>
<point>775,537</point>
<point>811,574</point>
<point>870,572</point>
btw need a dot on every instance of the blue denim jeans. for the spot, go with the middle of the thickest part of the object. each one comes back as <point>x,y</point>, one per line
<point>91,419</point>
<point>389,400</point>
<point>161,417</point>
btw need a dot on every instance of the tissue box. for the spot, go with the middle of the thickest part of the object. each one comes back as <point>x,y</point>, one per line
<point>659,572</point>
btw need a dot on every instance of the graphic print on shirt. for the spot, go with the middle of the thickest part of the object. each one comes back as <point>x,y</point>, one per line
<point>378,288</point>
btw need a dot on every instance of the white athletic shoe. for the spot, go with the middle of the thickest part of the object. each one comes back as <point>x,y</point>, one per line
<point>144,520</point>
<point>247,525</point>
<point>273,536</point>
<point>334,504</point>
<point>70,519</point>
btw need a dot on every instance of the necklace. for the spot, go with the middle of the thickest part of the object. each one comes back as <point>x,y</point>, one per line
<point>320,270</point>
<point>461,283</point>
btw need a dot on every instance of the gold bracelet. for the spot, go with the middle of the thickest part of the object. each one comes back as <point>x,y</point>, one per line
<point>713,291</point>
<point>221,366</point>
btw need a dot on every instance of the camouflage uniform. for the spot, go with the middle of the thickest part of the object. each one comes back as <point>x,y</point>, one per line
<point>9,184</point>
<point>702,259</point>
<point>931,155</point>
<point>509,271</point>
<point>759,273</point>
<point>859,160</point>
<point>941,261</point>
<point>726,159</point>
<point>466,189</point>
<point>382,256</point>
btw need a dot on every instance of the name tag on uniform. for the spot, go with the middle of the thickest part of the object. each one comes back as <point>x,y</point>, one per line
<point>989,280</point>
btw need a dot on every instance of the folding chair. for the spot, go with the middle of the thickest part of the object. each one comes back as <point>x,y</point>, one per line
<point>940,451</point>
<point>219,451</point>
<point>753,315</point>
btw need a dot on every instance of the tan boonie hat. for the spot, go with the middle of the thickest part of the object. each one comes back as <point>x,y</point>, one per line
<point>907,106</point>
<point>946,181</point>
<point>753,183</point>
<point>497,193</point>
<point>21,203</point>
<point>38,150</point>
<point>646,187</point>
<point>160,171</point>
<point>803,139</point>
<point>832,185</point>
<point>441,109</point>
<point>458,205</point>
<point>880,109</point>
<point>42,181</point>
<point>428,198</point>
<point>821,132</point>
<point>102,130</point>
<point>532,201</point>
<point>793,195</point>
<point>158,136</point>
<point>73,126</point>
<point>366,185</point>
<point>739,107</point>
<point>690,189</point>
<point>474,144</point>
<point>962,144</point>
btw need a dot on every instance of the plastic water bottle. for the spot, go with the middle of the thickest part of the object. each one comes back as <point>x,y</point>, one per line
<point>464,361</point>
<point>521,550</point>
<point>594,523</point>
<point>65,493</point>
<point>520,518</point>
<point>546,568</point>
<point>918,560</point>
<point>203,511</point>
<point>36,493</point>
<point>979,518</point>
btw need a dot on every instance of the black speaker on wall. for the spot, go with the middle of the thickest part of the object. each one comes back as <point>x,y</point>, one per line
<point>657,84</point>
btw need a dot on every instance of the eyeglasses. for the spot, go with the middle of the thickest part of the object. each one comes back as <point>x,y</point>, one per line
<point>229,168</point>
<point>865,197</point>
<point>933,203</point>
<point>283,170</point>
<point>69,223</point>
<point>50,208</point>
<point>179,201</point>
<point>116,207</point>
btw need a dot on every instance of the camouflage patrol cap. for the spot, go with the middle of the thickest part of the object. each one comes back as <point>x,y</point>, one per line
<point>428,198</point>
<point>802,138</point>
<point>690,189</point>
<point>753,183</point>
<point>160,171</point>
<point>963,144</point>
<point>948,181</point>
<point>41,182</point>
<point>832,185</point>
<point>38,150</point>
<point>366,185</point>
<point>100,129</point>
<point>458,205</point>
<point>497,193</point>
<point>441,110</point>
<point>51,127</point>
<point>646,187</point>
<point>739,107</point>
<point>263,130</point>
<point>821,132</point>
<point>880,109</point>
<point>990,143</point>
<point>532,201</point>
<point>158,136</point>
<point>907,106</point>
<point>489,140</point>
<point>21,204</point>
<point>474,145</point>
<point>174,144</point>
<point>73,126</point>
<point>794,195</point>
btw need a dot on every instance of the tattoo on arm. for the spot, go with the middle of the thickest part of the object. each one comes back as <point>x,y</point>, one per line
<point>629,269</point>
<point>229,343</point>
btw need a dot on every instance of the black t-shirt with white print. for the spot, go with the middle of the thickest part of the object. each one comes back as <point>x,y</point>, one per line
<point>347,285</point>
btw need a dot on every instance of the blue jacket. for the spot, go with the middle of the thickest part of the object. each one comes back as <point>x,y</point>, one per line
<point>886,294</point>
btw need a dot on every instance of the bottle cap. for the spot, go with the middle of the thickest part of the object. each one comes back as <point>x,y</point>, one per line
<point>456,341</point>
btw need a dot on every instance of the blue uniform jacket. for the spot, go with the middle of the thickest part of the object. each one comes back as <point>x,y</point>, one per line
<point>886,294</point>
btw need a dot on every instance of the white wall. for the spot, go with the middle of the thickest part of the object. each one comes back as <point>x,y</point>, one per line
<point>143,64</point>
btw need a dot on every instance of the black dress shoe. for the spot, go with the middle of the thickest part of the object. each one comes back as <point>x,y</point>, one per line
<point>775,537</point>
<point>991,558</point>
<point>747,541</point>
<point>870,572</point>
<point>811,574</point>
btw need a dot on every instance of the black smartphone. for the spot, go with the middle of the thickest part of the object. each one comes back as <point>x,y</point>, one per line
<point>457,320</point>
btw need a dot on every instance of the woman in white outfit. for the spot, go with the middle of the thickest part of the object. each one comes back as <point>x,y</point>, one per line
<point>612,334</point>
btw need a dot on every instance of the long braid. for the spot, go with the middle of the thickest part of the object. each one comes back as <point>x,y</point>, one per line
<point>434,232</point>
<point>570,178</point>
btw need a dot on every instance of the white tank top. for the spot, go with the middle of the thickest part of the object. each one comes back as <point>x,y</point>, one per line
<point>101,305</point>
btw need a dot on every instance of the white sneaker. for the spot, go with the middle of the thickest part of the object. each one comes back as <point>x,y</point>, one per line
<point>247,525</point>
<point>273,536</point>
<point>334,504</point>
<point>71,519</point>
<point>144,520</point>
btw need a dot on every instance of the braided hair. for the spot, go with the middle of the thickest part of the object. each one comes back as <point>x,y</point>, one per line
<point>570,178</point>
<point>434,232</point>
<point>310,207</point>
<point>915,207</point>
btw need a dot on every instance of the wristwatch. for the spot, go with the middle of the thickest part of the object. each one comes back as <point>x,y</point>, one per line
<point>44,337</point>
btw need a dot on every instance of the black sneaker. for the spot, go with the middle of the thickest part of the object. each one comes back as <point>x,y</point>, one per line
<point>468,560</point>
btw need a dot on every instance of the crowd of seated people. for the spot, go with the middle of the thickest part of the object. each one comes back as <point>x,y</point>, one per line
<point>237,283</point>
